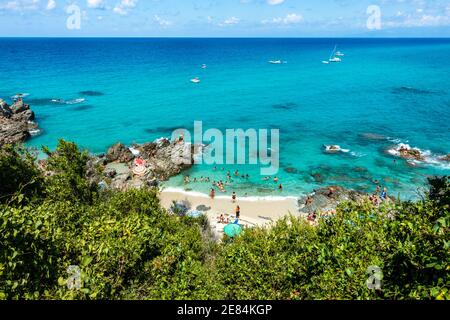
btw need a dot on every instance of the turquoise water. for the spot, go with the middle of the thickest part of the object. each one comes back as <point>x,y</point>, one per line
<point>397,88</point>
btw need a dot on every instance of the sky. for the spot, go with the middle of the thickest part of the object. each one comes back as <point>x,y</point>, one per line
<point>225,18</point>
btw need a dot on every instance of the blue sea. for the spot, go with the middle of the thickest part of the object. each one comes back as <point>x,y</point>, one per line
<point>138,90</point>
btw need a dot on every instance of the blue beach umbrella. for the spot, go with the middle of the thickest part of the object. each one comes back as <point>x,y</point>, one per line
<point>232,230</point>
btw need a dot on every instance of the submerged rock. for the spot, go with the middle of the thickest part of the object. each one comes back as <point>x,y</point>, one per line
<point>372,136</point>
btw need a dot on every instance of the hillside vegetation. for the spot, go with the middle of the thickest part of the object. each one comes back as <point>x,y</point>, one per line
<point>125,246</point>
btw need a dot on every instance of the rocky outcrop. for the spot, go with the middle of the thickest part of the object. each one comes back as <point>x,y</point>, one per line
<point>445,158</point>
<point>15,122</point>
<point>327,199</point>
<point>119,152</point>
<point>411,154</point>
<point>162,158</point>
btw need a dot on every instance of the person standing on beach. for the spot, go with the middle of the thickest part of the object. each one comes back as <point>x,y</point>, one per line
<point>238,212</point>
<point>212,194</point>
<point>233,197</point>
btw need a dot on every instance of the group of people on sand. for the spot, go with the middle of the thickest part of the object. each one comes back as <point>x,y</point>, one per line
<point>225,219</point>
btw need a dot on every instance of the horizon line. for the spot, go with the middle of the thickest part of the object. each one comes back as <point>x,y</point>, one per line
<point>230,37</point>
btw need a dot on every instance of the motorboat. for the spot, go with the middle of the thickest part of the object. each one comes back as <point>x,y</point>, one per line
<point>195,80</point>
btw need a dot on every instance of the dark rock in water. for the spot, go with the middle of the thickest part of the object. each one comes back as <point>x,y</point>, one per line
<point>327,199</point>
<point>82,108</point>
<point>410,90</point>
<point>445,158</point>
<point>291,170</point>
<point>92,93</point>
<point>318,178</point>
<point>119,152</point>
<point>285,106</point>
<point>163,130</point>
<point>372,137</point>
<point>15,122</point>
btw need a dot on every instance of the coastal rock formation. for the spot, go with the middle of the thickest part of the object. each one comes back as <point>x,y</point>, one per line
<point>406,152</point>
<point>15,122</point>
<point>161,160</point>
<point>119,152</point>
<point>327,199</point>
<point>446,158</point>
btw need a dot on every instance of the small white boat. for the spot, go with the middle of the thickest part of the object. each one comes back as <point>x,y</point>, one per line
<point>334,56</point>
<point>275,62</point>
<point>326,62</point>
<point>195,80</point>
<point>204,66</point>
<point>335,59</point>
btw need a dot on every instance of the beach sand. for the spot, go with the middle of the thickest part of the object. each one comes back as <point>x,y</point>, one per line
<point>254,211</point>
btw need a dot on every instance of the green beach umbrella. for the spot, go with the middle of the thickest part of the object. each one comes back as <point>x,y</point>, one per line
<point>232,230</point>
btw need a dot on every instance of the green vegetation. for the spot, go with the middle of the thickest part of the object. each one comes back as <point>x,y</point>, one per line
<point>127,247</point>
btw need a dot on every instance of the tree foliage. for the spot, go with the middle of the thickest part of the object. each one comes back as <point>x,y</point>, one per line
<point>127,247</point>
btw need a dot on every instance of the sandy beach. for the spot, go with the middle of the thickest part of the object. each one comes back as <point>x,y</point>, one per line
<point>254,211</point>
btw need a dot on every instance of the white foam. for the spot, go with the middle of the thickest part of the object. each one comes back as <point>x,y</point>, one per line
<point>429,157</point>
<point>205,196</point>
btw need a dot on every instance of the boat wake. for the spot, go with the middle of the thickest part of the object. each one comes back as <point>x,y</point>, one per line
<point>69,102</point>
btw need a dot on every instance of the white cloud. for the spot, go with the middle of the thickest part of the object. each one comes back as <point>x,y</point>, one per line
<point>123,6</point>
<point>230,22</point>
<point>291,18</point>
<point>274,2</point>
<point>20,5</point>
<point>51,4</point>
<point>96,4</point>
<point>162,22</point>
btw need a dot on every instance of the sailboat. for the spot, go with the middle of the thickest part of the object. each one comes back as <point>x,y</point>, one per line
<point>333,57</point>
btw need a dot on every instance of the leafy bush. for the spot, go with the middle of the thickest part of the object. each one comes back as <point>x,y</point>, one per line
<point>19,175</point>
<point>127,247</point>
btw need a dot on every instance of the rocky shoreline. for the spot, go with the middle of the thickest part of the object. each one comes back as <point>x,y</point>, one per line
<point>138,166</point>
<point>16,122</point>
